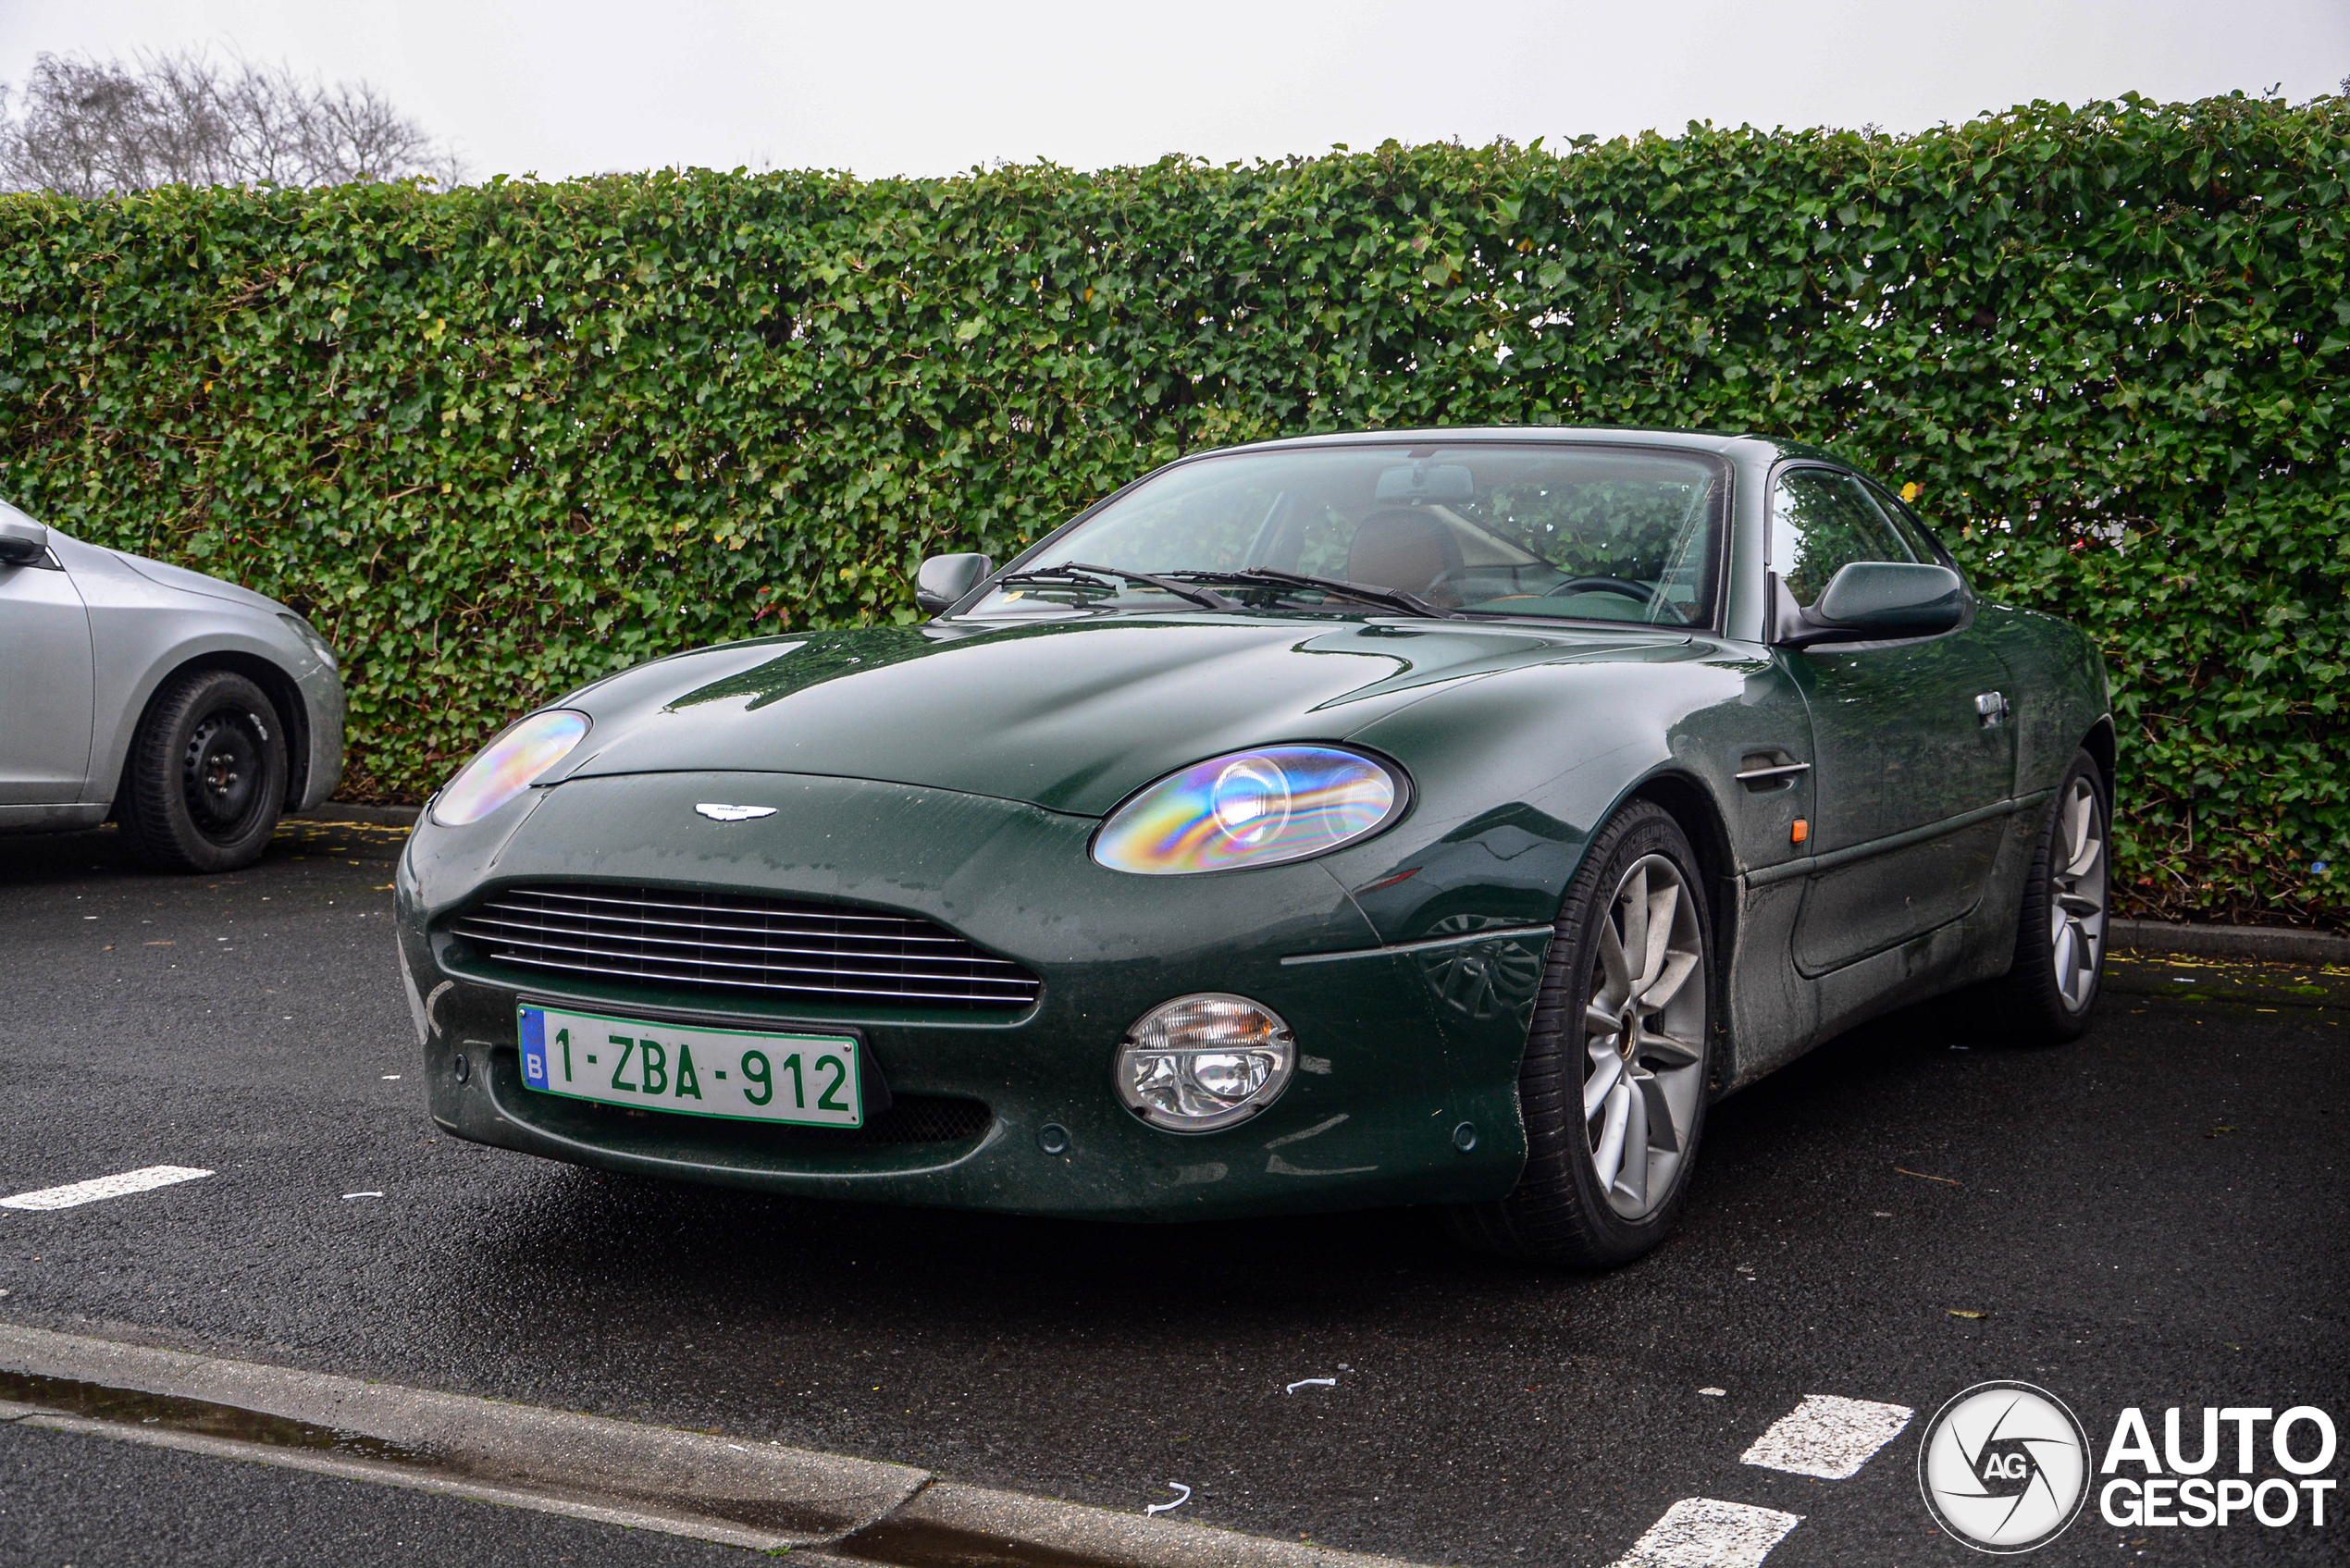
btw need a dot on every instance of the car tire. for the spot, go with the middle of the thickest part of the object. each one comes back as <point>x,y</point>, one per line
<point>205,779</point>
<point>2050,990</point>
<point>1569,1207</point>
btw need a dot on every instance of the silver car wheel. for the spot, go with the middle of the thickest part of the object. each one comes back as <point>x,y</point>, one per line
<point>2077,895</point>
<point>1644,1029</point>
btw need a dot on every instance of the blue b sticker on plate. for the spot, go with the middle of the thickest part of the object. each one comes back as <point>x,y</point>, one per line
<point>534,1047</point>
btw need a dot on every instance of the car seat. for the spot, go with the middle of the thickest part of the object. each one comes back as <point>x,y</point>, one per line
<point>1402,549</point>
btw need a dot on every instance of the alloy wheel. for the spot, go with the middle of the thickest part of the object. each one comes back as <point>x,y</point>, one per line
<point>1644,1033</point>
<point>2077,895</point>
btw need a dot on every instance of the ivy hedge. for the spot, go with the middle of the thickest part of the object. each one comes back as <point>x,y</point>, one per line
<point>500,440</point>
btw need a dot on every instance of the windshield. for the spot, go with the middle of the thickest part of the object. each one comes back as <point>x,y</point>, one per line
<point>1582,532</point>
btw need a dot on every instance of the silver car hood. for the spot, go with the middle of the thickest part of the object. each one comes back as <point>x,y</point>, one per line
<point>179,577</point>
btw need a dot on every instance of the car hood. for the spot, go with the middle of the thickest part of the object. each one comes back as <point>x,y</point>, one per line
<point>186,581</point>
<point>1071,716</point>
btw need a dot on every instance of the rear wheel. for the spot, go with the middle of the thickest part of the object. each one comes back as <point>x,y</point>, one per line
<point>206,776</point>
<point>1613,1088</point>
<point>2047,994</point>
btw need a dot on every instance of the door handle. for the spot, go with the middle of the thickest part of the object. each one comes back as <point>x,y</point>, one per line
<point>1991,708</point>
<point>1774,775</point>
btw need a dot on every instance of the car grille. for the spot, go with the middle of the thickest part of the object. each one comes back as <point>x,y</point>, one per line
<point>742,945</point>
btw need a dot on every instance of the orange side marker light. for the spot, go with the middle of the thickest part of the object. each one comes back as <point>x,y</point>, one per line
<point>1802,831</point>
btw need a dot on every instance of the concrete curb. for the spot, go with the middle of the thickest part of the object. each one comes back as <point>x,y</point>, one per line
<point>338,811</point>
<point>950,1525</point>
<point>385,1475</point>
<point>760,1495</point>
<point>2262,944</point>
<point>787,1493</point>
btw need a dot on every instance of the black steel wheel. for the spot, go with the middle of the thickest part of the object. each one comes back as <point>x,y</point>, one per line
<point>206,779</point>
<point>2047,996</point>
<point>1613,1085</point>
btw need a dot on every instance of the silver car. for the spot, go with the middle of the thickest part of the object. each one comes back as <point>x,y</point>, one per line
<point>188,709</point>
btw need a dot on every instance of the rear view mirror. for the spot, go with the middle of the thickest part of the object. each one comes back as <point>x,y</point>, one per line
<point>1877,598</point>
<point>23,541</point>
<point>1424,481</point>
<point>946,578</point>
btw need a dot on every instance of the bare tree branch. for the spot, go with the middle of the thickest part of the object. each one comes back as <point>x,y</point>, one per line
<point>89,127</point>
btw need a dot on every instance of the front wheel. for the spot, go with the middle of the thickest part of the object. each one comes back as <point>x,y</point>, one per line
<point>1613,1088</point>
<point>206,776</point>
<point>2048,993</point>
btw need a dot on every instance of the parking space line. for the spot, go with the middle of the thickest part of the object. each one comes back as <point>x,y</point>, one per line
<point>1828,1437</point>
<point>1699,1531</point>
<point>80,1192</point>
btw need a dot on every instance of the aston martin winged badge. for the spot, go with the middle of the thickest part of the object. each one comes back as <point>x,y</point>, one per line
<point>719,811</point>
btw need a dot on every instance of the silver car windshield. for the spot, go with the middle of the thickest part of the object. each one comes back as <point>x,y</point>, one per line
<point>1584,532</point>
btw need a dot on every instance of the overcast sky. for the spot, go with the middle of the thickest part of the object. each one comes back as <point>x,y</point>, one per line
<point>563,87</point>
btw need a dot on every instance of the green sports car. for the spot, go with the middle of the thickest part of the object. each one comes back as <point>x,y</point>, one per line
<point>1440,817</point>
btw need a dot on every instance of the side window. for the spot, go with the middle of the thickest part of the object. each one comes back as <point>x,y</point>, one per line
<point>1905,522</point>
<point>1821,522</point>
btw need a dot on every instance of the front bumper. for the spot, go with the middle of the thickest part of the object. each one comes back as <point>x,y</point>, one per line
<point>1398,1054</point>
<point>322,696</point>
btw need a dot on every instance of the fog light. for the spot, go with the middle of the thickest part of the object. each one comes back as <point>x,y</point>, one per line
<point>1199,1063</point>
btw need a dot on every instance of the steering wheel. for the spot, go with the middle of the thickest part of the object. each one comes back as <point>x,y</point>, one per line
<point>1624,586</point>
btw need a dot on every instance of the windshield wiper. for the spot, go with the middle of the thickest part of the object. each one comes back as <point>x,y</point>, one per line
<point>1206,598</point>
<point>1191,592</point>
<point>1107,577</point>
<point>1396,599</point>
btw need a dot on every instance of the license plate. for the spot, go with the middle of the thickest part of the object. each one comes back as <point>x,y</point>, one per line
<point>807,1079</point>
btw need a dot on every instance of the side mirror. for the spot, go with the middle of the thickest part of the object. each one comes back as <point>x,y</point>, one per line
<point>946,578</point>
<point>1868,599</point>
<point>23,541</point>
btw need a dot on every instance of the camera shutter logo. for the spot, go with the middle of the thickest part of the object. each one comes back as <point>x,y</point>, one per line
<point>2004,1467</point>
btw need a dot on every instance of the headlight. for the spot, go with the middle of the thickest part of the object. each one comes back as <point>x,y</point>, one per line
<point>508,765</point>
<point>1199,1063</point>
<point>311,636</point>
<point>1251,809</point>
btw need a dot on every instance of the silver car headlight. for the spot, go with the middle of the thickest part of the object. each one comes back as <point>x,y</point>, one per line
<point>1256,808</point>
<point>509,765</point>
<point>1198,1063</point>
<point>312,638</point>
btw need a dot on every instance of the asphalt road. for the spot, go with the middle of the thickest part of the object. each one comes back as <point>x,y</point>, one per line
<point>2152,1217</point>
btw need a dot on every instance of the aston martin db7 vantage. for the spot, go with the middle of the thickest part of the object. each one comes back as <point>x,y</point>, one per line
<point>1439,818</point>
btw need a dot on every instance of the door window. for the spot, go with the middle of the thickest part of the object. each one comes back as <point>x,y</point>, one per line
<point>1821,522</point>
<point>1921,544</point>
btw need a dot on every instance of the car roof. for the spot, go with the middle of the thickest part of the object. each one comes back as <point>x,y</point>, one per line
<point>1720,441</point>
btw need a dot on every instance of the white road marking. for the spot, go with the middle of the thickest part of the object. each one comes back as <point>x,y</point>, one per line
<point>1713,1394</point>
<point>80,1192</point>
<point>1827,1435</point>
<point>348,1196</point>
<point>1697,1532</point>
